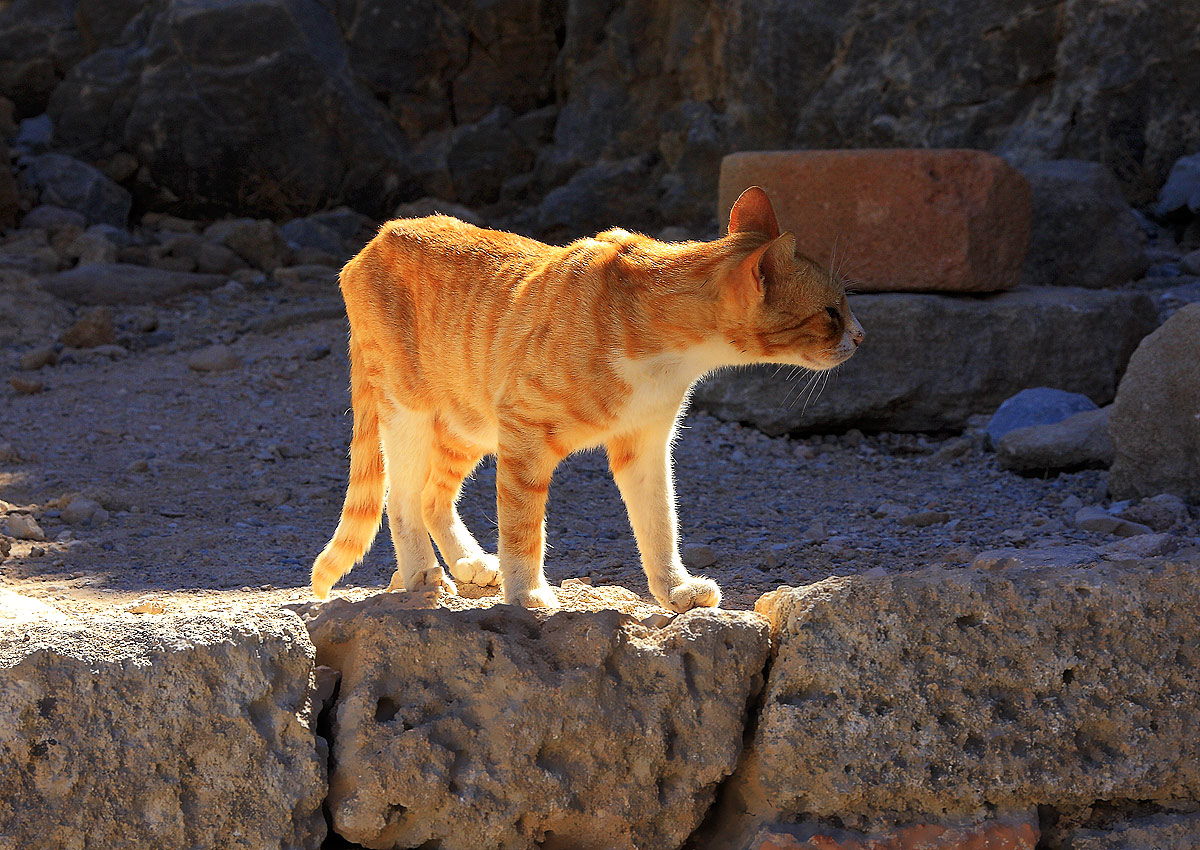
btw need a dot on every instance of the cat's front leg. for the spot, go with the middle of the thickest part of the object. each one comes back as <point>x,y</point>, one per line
<point>524,467</point>
<point>641,466</point>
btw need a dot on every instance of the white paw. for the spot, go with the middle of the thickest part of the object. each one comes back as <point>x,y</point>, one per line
<point>694,593</point>
<point>538,597</point>
<point>483,570</point>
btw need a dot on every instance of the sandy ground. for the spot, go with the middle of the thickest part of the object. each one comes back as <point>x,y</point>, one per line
<point>221,487</point>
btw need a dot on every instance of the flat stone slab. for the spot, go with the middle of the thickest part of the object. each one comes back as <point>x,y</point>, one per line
<point>896,220</point>
<point>946,693</point>
<point>124,283</point>
<point>931,361</point>
<point>176,731</point>
<point>491,726</point>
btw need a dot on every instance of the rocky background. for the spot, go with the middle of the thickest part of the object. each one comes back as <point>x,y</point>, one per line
<point>560,117</point>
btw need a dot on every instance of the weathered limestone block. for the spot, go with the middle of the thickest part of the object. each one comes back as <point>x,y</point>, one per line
<point>179,731</point>
<point>1155,421</point>
<point>896,220</point>
<point>946,693</point>
<point>498,727</point>
<point>931,361</point>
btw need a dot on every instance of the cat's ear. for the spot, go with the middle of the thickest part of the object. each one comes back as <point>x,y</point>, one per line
<point>753,211</point>
<point>754,272</point>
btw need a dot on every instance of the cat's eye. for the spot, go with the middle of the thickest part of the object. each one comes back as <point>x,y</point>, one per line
<point>833,313</point>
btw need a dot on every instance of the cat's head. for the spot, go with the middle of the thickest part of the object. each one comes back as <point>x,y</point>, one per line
<point>777,305</point>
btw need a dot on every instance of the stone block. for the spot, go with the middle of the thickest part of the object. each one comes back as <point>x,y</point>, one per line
<point>492,726</point>
<point>953,693</point>
<point>895,220</point>
<point>177,731</point>
<point>1155,421</point>
<point>931,361</point>
<point>1008,833</point>
<point>124,283</point>
<point>1077,442</point>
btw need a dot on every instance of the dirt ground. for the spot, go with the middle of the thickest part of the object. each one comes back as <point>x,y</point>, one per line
<point>221,487</point>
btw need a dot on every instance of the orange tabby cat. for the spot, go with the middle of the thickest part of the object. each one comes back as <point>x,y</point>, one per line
<point>465,342</point>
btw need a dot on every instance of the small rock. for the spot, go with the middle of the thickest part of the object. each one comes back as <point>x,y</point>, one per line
<point>922,519</point>
<point>815,531</point>
<point>89,248</point>
<point>1142,546</point>
<point>25,386</point>
<point>146,606</point>
<point>1097,519</point>
<point>1072,503</point>
<point>1038,406</point>
<point>697,556</point>
<point>1080,441</point>
<point>1182,190</point>
<point>890,510</point>
<point>93,329</point>
<point>83,511</point>
<point>53,219</point>
<point>138,466</point>
<point>1014,535</point>
<point>952,450</point>
<point>23,527</point>
<point>961,554</point>
<point>36,358</point>
<point>1162,512</point>
<point>317,353</point>
<point>1191,263</point>
<point>8,454</point>
<point>215,358</point>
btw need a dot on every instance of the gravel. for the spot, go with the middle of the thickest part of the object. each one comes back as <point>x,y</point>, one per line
<point>220,484</point>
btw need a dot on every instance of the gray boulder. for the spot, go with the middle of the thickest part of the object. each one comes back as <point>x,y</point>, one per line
<point>932,361</point>
<point>124,283</point>
<point>66,182</point>
<point>569,211</point>
<point>953,693</point>
<point>1084,232</point>
<point>1181,192</point>
<point>480,726</point>
<point>1077,442</point>
<point>1155,422</point>
<point>177,731</point>
<point>1035,406</point>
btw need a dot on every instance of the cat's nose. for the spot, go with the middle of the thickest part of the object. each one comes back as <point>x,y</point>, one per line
<point>857,334</point>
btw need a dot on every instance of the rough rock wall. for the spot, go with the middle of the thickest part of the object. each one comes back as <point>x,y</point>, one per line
<point>282,106</point>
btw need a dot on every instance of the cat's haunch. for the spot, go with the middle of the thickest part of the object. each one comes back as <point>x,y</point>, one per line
<point>466,342</point>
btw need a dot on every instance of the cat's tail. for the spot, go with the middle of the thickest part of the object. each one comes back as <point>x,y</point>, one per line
<point>363,508</point>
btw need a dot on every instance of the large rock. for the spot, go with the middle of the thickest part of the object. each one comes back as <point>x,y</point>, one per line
<point>895,220</point>
<point>1155,422</point>
<point>179,731</point>
<point>960,692</point>
<point>1181,193</point>
<point>124,283</point>
<point>1084,232</point>
<point>931,361</point>
<point>498,727</point>
<point>66,182</point>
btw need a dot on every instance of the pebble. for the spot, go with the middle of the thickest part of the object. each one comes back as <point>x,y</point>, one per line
<point>890,510</point>
<point>146,606</point>
<point>1162,512</point>
<point>23,527</point>
<point>36,358</point>
<point>25,386</point>
<point>94,328</point>
<point>815,531</point>
<point>317,353</point>
<point>214,358</point>
<point>922,519</point>
<point>698,556</point>
<point>1072,503</point>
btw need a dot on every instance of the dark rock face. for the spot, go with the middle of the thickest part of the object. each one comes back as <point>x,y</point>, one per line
<point>66,182</point>
<point>280,107</point>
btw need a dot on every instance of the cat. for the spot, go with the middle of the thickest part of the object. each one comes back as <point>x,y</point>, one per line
<point>465,342</point>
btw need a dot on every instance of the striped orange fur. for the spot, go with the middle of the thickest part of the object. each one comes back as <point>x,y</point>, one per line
<point>466,341</point>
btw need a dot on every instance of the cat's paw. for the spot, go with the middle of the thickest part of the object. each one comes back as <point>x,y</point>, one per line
<point>697,592</point>
<point>483,570</point>
<point>429,582</point>
<point>537,597</point>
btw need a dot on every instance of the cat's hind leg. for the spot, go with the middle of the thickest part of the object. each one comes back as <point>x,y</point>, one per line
<point>407,442</point>
<point>641,466</point>
<point>451,461</point>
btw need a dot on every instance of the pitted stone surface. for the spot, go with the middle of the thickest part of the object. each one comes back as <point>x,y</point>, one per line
<point>496,727</point>
<point>179,731</point>
<point>953,692</point>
